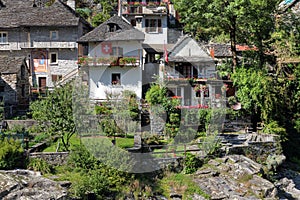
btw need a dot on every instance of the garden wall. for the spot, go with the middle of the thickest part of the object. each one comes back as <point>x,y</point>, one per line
<point>54,158</point>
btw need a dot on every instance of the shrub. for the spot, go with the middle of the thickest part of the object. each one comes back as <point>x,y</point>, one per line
<point>38,164</point>
<point>191,163</point>
<point>11,154</point>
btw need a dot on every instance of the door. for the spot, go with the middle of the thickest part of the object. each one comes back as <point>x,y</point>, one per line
<point>42,83</point>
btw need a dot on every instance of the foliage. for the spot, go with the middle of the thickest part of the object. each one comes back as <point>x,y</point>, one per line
<point>274,128</point>
<point>57,110</point>
<point>254,92</point>
<point>11,154</point>
<point>80,158</point>
<point>88,174</point>
<point>95,11</point>
<point>191,163</point>
<point>206,19</point>
<point>38,164</point>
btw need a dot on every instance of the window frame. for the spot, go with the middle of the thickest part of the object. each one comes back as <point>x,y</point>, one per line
<point>117,51</point>
<point>116,82</point>
<point>153,23</point>
<point>1,37</point>
<point>50,58</point>
<point>51,35</point>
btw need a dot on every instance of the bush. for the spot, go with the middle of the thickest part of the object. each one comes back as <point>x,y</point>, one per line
<point>11,154</point>
<point>38,164</point>
<point>191,163</point>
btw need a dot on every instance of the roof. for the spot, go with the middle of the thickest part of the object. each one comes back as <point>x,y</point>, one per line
<point>219,50</point>
<point>11,64</point>
<point>18,13</point>
<point>157,48</point>
<point>101,33</point>
<point>195,53</point>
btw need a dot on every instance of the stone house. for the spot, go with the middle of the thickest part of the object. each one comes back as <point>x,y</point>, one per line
<point>113,61</point>
<point>45,34</point>
<point>14,82</point>
<point>190,74</point>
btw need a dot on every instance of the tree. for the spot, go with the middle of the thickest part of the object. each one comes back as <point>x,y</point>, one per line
<point>55,113</point>
<point>208,18</point>
<point>255,94</point>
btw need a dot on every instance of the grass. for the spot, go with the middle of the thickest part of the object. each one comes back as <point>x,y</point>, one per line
<point>74,141</point>
<point>124,142</point>
<point>182,184</point>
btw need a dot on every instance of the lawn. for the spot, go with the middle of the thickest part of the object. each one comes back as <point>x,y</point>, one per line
<point>75,140</point>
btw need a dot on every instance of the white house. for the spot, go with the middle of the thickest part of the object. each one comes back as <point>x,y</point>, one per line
<point>190,74</point>
<point>113,59</point>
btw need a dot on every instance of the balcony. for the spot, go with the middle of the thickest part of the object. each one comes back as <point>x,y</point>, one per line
<point>109,61</point>
<point>143,8</point>
<point>50,44</point>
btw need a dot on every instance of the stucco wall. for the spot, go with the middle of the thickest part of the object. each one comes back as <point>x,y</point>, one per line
<point>100,81</point>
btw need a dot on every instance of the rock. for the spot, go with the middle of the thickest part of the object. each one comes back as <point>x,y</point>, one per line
<point>25,184</point>
<point>234,177</point>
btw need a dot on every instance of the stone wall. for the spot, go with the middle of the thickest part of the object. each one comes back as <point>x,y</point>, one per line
<point>9,81</point>
<point>25,123</point>
<point>54,158</point>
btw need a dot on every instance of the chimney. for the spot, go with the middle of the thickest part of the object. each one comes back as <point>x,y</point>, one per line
<point>71,4</point>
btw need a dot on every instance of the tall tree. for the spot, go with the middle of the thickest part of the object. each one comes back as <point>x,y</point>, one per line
<point>232,17</point>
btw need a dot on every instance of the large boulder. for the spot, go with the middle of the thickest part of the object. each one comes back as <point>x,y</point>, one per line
<point>234,177</point>
<point>30,185</point>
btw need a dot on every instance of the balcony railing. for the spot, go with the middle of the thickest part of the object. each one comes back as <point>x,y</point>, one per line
<point>50,44</point>
<point>109,61</point>
<point>143,8</point>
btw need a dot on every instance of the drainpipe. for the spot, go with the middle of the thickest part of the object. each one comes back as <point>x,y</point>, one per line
<point>119,8</point>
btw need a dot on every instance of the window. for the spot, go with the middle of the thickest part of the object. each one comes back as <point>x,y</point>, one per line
<point>56,78</point>
<point>113,27</point>
<point>117,51</point>
<point>153,25</point>
<point>3,37</point>
<point>53,58</point>
<point>116,79</point>
<point>133,22</point>
<point>53,35</point>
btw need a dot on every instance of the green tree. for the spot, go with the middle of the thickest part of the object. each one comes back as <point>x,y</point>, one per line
<point>55,113</point>
<point>255,94</point>
<point>206,19</point>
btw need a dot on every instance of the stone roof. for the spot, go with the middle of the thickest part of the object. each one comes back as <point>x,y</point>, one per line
<point>18,13</point>
<point>220,50</point>
<point>11,64</point>
<point>102,33</point>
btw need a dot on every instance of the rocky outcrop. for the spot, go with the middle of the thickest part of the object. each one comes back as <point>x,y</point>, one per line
<point>29,185</point>
<point>234,177</point>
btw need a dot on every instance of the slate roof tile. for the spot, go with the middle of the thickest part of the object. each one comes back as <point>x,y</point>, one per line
<point>18,13</point>
<point>102,33</point>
